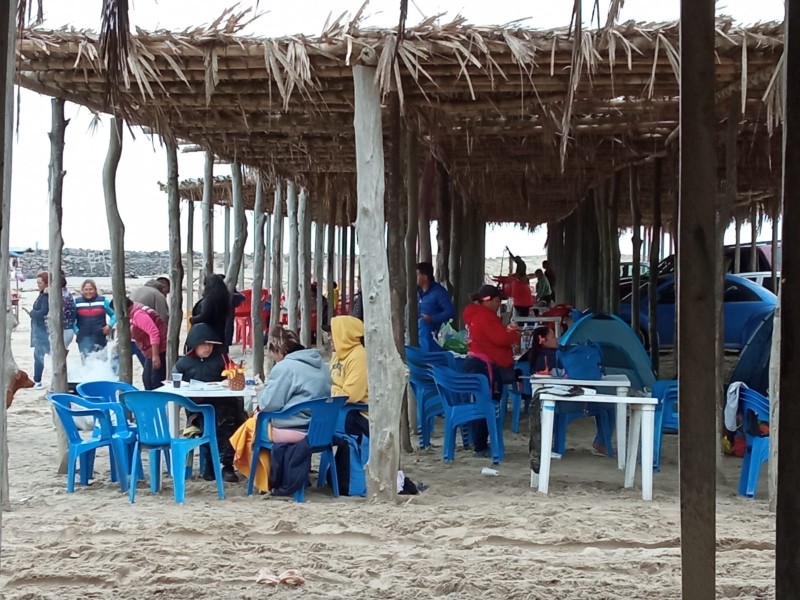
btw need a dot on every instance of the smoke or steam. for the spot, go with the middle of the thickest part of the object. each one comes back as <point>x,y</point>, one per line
<point>97,366</point>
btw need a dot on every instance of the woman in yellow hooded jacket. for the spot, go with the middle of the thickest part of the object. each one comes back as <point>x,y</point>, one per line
<point>349,369</point>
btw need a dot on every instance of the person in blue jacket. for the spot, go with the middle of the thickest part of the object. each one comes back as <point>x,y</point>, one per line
<point>435,307</point>
<point>91,327</point>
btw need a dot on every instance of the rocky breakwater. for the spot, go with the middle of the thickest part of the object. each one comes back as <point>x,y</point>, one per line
<point>79,262</point>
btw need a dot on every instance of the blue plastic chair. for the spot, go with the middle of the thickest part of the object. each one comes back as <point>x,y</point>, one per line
<point>666,417</point>
<point>755,409</point>
<point>516,406</point>
<point>150,411</point>
<point>567,412</point>
<point>84,449</point>
<point>466,399</point>
<point>107,390</point>
<point>325,460</point>
<point>324,418</point>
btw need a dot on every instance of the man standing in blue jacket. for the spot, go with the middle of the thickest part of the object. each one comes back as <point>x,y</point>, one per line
<point>435,307</point>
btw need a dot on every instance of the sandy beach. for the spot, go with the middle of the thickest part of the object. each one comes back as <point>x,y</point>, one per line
<point>467,536</point>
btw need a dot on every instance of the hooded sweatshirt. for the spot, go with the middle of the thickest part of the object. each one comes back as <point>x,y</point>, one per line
<point>487,336</point>
<point>150,295</point>
<point>349,360</point>
<point>299,377</point>
<point>201,369</point>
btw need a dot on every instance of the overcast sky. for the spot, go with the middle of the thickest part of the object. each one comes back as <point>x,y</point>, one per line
<point>143,164</point>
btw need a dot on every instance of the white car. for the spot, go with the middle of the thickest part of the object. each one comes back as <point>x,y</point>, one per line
<point>762,278</point>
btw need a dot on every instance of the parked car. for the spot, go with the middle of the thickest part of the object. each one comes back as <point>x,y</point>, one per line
<point>626,269</point>
<point>744,302</point>
<point>763,258</point>
<point>763,278</point>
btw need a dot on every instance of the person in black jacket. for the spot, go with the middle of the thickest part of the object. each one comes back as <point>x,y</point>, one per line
<point>40,340</point>
<point>214,308</point>
<point>205,361</point>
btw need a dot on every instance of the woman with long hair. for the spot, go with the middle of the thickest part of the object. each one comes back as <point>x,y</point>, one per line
<point>214,307</point>
<point>40,340</point>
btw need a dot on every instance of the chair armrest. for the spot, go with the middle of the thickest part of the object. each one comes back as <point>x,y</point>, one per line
<point>207,410</point>
<point>355,406</point>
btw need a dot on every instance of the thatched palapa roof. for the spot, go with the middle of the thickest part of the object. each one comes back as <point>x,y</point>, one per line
<point>524,120</point>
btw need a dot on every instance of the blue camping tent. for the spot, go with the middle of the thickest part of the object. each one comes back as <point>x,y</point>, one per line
<point>623,352</point>
<point>753,365</point>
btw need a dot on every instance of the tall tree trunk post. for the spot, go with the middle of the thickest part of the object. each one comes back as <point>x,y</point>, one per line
<point>456,247</point>
<point>412,228</point>
<point>116,233</point>
<point>774,405</point>
<point>753,238</point>
<point>613,243</point>
<point>395,233</point>
<point>208,215</point>
<point>319,244</point>
<point>636,217</point>
<point>259,218</point>
<point>351,281</point>
<point>277,264</point>
<point>175,263</point>
<point>774,261</point>
<point>737,252</point>
<point>303,266</point>
<point>387,377</point>
<point>443,202</point>
<point>190,272</point>
<point>58,352</point>
<point>601,215</point>
<point>293,282</point>
<point>426,199</point>
<point>787,527</point>
<point>331,256</point>
<point>267,245</point>
<point>226,213</point>
<point>655,237</point>
<point>343,280</point>
<point>236,263</point>
<point>697,301</point>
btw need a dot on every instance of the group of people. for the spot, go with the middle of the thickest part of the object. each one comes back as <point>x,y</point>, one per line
<point>521,295</point>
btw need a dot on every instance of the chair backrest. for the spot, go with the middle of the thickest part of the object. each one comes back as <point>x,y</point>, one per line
<point>62,403</point>
<point>751,400</point>
<point>324,417</point>
<point>107,390</point>
<point>429,359</point>
<point>453,382</point>
<point>150,412</point>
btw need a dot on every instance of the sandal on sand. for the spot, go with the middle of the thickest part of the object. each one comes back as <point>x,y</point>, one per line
<point>265,577</point>
<point>291,577</point>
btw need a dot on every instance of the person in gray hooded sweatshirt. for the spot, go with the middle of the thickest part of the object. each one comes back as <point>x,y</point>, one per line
<point>299,374</point>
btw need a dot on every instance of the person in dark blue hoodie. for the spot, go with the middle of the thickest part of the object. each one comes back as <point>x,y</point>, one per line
<point>435,307</point>
<point>91,327</point>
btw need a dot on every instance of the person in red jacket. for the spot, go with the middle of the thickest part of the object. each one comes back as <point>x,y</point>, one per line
<point>490,351</point>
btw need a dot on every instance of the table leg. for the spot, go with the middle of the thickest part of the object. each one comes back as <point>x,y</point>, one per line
<point>548,414</point>
<point>622,428</point>
<point>633,445</point>
<point>648,437</point>
<point>174,419</point>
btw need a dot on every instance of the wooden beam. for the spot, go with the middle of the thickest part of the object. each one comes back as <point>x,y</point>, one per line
<point>343,259</point>
<point>226,252</point>
<point>737,256</point>
<point>613,243</point>
<point>395,202</point>
<point>787,527</point>
<point>753,237</point>
<point>443,215</point>
<point>236,264</point>
<point>697,301</point>
<point>175,263</point>
<point>294,255</point>
<point>208,215</point>
<point>351,281</point>
<point>58,352</point>
<point>331,257</point>
<point>387,378</point>
<point>426,201</point>
<point>303,266</point>
<point>267,247</point>
<point>116,233</point>
<point>412,228</point>
<point>259,218</point>
<point>277,264</point>
<point>456,247</point>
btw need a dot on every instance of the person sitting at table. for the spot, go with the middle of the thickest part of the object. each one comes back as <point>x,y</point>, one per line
<point>490,351</point>
<point>349,370</point>
<point>299,375</point>
<point>204,361</point>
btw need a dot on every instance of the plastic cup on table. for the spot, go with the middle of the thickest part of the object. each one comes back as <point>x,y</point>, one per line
<point>176,380</point>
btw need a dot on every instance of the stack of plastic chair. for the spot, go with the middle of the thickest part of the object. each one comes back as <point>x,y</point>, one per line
<point>666,417</point>
<point>466,398</point>
<point>324,418</point>
<point>755,410</point>
<point>150,411</point>
<point>84,450</point>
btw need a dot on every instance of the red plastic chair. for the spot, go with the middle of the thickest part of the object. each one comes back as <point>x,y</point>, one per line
<point>243,320</point>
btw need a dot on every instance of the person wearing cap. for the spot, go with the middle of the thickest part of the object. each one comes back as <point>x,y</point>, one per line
<point>490,351</point>
<point>205,361</point>
<point>435,307</point>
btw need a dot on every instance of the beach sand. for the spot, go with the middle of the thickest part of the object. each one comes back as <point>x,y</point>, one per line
<point>467,536</point>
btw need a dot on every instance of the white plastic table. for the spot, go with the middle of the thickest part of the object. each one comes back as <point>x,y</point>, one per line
<point>529,320</point>
<point>642,426</point>
<point>173,411</point>
<point>620,383</point>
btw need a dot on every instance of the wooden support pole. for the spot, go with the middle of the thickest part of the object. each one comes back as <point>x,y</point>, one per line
<point>443,214</point>
<point>601,229</point>
<point>190,273</point>
<point>386,377</point>
<point>343,280</point>
<point>277,264</point>
<point>426,199</point>
<point>753,238</point>
<point>331,256</point>
<point>396,201</point>
<point>175,263</point>
<point>226,255</point>
<point>8,30</point>
<point>652,284</point>
<point>454,259</point>
<point>293,285</point>
<point>58,352</point>
<point>208,215</point>
<point>303,266</point>
<point>412,228</point>
<point>636,218</point>
<point>236,264</point>
<point>259,219</point>
<point>351,281</point>
<point>775,237</point>
<point>319,244</point>
<point>737,256</point>
<point>613,243</point>
<point>116,233</point>
<point>267,245</point>
<point>787,527</point>
<point>697,301</point>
